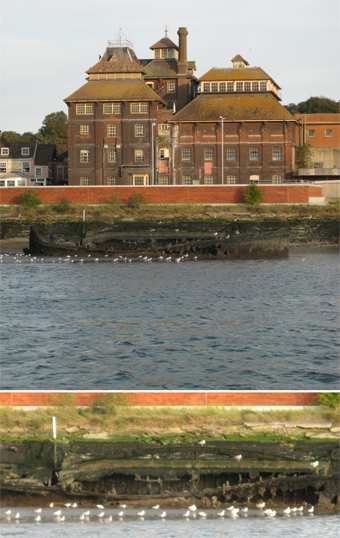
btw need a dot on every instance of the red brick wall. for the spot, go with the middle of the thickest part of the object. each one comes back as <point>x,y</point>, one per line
<point>228,194</point>
<point>168,398</point>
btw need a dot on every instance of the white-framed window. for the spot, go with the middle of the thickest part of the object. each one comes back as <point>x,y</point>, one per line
<point>21,183</point>
<point>25,151</point>
<point>231,180</point>
<point>186,180</point>
<point>84,156</point>
<point>254,179</point>
<point>277,179</point>
<point>230,86</point>
<point>328,133</point>
<point>26,167</point>
<point>277,154</point>
<point>84,181</point>
<point>209,154</point>
<point>111,180</point>
<point>2,183</point>
<point>171,86</point>
<point>164,153</point>
<point>231,154</point>
<point>206,86</point>
<point>112,108</point>
<point>318,165</point>
<point>151,84</point>
<point>10,183</point>
<point>263,86</point>
<point>139,108</point>
<point>4,151</point>
<point>140,180</point>
<point>214,87</point>
<point>84,108</point>
<point>111,155</point>
<point>255,86</point>
<point>186,154</point>
<point>208,180</point>
<point>239,86</point>
<point>139,155</point>
<point>247,86</point>
<point>223,86</point>
<point>111,130</point>
<point>84,129</point>
<point>163,180</point>
<point>164,129</point>
<point>38,173</point>
<point>254,154</point>
<point>311,133</point>
<point>139,130</point>
<point>3,167</point>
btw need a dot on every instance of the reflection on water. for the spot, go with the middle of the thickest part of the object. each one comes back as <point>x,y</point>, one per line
<point>231,324</point>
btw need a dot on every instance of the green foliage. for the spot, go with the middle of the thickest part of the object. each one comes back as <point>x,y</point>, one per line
<point>329,399</point>
<point>29,199</point>
<point>315,105</point>
<point>303,155</point>
<point>113,200</point>
<point>253,195</point>
<point>54,131</point>
<point>108,402</point>
<point>63,399</point>
<point>10,136</point>
<point>136,200</point>
<point>63,206</point>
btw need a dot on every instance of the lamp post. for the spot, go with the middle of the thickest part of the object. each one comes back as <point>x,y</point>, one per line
<point>152,156</point>
<point>222,118</point>
<point>54,424</point>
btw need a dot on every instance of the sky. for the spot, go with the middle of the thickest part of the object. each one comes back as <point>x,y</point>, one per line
<point>47,45</point>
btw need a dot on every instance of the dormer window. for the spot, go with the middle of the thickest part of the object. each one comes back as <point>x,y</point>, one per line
<point>165,53</point>
<point>25,151</point>
<point>4,151</point>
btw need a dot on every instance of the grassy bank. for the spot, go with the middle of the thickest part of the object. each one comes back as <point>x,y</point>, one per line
<point>148,212</point>
<point>166,424</point>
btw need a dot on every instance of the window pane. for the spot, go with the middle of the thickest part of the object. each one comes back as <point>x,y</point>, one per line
<point>230,86</point>
<point>139,155</point>
<point>186,154</point>
<point>239,86</point>
<point>328,132</point>
<point>111,155</point>
<point>208,180</point>
<point>111,130</point>
<point>231,180</point>
<point>214,86</point>
<point>139,130</point>
<point>223,86</point>
<point>84,156</point>
<point>231,154</point>
<point>206,86</point>
<point>186,180</point>
<point>255,86</point>
<point>84,181</point>
<point>254,154</point>
<point>277,154</point>
<point>209,154</point>
<point>84,129</point>
<point>171,86</point>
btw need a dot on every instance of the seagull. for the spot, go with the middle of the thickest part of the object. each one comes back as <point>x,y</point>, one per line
<point>300,509</point>
<point>234,513</point>
<point>156,507</point>
<point>101,514</point>
<point>68,505</point>
<point>245,509</point>
<point>261,505</point>
<point>287,510</point>
<point>311,510</point>
<point>57,513</point>
<point>121,514</point>
<point>187,514</point>
<point>142,513</point>
<point>215,233</point>
<point>51,505</point>
<point>201,443</point>
<point>38,518</point>
<point>62,518</point>
<point>74,505</point>
<point>202,514</point>
<point>17,515</point>
<point>163,514</point>
<point>8,513</point>
<point>238,457</point>
<point>314,463</point>
<point>192,508</point>
<point>100,506</point>
<point>108,520</point>
<point>122,505</point>
<point>221,514</point>
<point>230,507</point>
<point>38,510</point>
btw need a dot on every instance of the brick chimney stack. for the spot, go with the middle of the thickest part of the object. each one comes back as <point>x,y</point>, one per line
<point>182,65</point>
<point>182,60</point>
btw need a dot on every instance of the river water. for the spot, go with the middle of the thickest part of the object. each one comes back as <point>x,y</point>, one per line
<point>193,325</point>
<point>174,525</point>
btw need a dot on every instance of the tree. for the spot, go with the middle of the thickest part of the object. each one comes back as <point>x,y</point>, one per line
<point>10,136</point>
<point>252,195</point>
<point>315,105</point>
<point>303,155</point>
<point>54,131</point>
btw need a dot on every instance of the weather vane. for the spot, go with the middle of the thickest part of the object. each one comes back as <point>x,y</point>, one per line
<point>165,29</point>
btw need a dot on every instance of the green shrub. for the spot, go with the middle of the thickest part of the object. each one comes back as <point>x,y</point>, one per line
<point>136,200</point>
<point>330,399</point>
<point>29,199</point>
<point>113,200</point>
<point>252,195</point>
<point>107,402</point>
<point>63,206</point>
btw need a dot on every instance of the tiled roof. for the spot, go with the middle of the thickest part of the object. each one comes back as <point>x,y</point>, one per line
<point>45,154</point>
<point>15,149</point>
<point>161,68</point>
<point>164,43</point>
<point>122,54</point>
<point>319,118</point>
<point>231,73</point>
<point>238,58</point>
<point>233,107</point>
<point>115,90</point>
<point>114,66</point>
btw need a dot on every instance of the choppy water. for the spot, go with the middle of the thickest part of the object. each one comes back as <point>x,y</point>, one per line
<point>214,325</point>
<point>174,525</point>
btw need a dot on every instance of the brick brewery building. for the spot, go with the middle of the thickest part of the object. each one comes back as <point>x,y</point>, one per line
<point>151,122</point>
